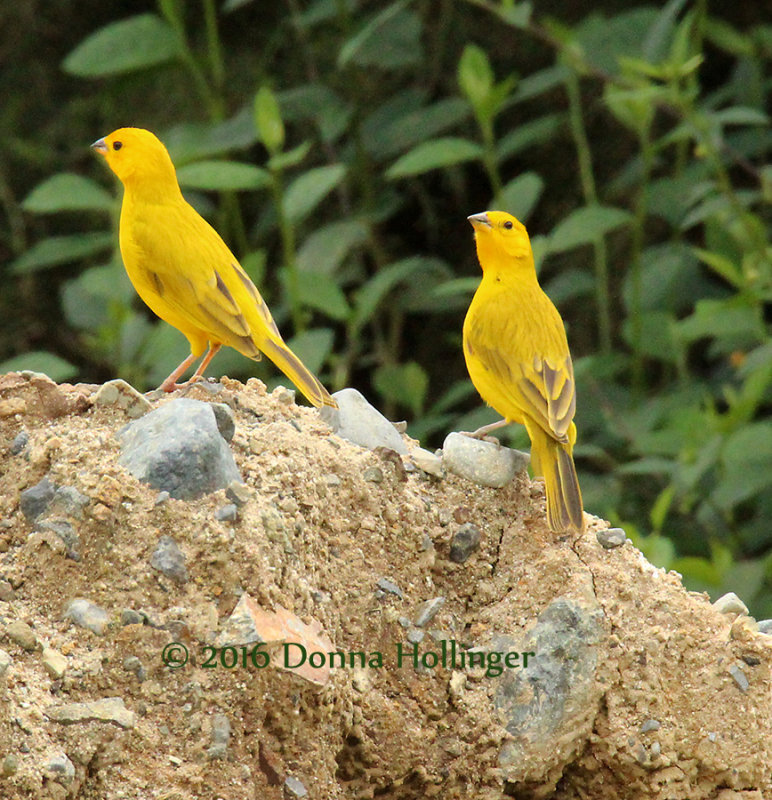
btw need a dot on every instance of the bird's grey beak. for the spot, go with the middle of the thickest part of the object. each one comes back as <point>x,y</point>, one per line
<point>100,146</point>
<point>479,219</point>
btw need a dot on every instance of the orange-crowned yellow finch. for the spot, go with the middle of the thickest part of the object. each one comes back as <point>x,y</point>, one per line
<point>184,271</point>
<point>517,355</point>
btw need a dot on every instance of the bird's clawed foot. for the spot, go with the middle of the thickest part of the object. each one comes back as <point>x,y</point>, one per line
<point>482,433</point>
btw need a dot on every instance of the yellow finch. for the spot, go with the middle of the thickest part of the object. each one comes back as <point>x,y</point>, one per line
<point>184,271</point>
<point>517,355</point>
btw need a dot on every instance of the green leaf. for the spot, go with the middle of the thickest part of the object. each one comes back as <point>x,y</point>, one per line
<point>537,131</point>
<point>434,154</point>
<point>290,158</point>
<point>475,75</point>
<point>521,195</point>
<point>732,320</point>
<point>389,40</point>
<point>405,384</point>
<point>305,193</point>
<point>313,346</point>
<point>223,176</point>
<point>585,226</point>
<point>728,38</point>
<point>135,43</point>
<point>322,293</point>
<point>40,361</point>
<point>657,335</point>
<point>268,120</point>
<point>191,141</point>
<point>326,248</point>
<point>740,115</point>
<point>61,250</point>
<point>67,192</point>
<point>747,463</point>
<point>370,295</point>
<point>89,298</point>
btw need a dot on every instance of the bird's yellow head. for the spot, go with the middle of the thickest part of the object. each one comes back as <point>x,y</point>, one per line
<point>137,156</point>
<point>498,234</point>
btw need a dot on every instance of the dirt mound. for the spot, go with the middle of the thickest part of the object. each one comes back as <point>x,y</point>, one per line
<point>618,682</point>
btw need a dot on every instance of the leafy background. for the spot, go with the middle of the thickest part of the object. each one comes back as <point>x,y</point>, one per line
<point>339,145</point>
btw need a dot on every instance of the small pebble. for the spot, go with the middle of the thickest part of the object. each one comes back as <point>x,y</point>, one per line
<point>739,677</point>
<point>5,662</point>
<point>132,664</point>
<point>650,725</point>
<point>427,611</point>
<point>169,560</point>
<point>35,500</point>
<point>730,603</point>
<point>385,585</point>
<point>60,769</point>
<point>405,622</point>
<point>19,443</point>
<point>54,663</point>
<point>87,615</point>
<point>238,493</point>
<point>611,537</point>
<point>227,513</point>
<point>765,626</point>
<point>415,636</point>
<point>465,541</point>
<point>484,463</point>
<point>293,788</point>
<point>66,533</point>
<point>131,617</point>
<point>10,765</point>
<point>221,729</point>
<point>655,750</point>
<point>427,462</point>
<point>6,592</point>
<point>119,393</point>
<point>373,474</point>
<point>108,709</point>
<point>21,633</point>
<point>69,502</point>
<point>162,497</point>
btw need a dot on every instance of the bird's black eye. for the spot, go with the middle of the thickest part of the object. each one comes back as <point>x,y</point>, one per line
<point>508,224</point>
<point>117,145</point>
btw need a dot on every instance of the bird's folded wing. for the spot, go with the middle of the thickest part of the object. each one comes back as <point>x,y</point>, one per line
<point>542,390</point>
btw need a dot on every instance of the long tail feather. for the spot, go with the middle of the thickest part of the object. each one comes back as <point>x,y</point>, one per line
<point>297,372</point>
<point>564,498</point>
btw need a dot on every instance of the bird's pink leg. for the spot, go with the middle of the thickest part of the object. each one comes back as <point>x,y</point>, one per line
<point>170,384</point>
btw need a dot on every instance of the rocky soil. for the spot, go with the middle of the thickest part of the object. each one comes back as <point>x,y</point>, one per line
<point>593,675</point>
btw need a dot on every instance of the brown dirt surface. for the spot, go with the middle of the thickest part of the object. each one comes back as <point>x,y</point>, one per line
<point>637,689</point>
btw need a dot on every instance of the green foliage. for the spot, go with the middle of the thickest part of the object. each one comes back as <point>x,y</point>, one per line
<point>339,146</point>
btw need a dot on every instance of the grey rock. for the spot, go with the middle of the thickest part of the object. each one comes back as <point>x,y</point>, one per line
<point>132,664</point>
<point>415,635</point>
<point>5,662</point>
<point>238,493</point>
<point>178,448</point>
<point>20,441</point>
<point>131,617</point>
<point>655,750</point>
<point>168,559</point>
<point>426,461</point>
<point>227,513</point>
<point>21,634</point>
<point>464,542</point>
<point>123,395</point>
<point>484,463</point>
<point>161,498</point>
<point>730,603</point>
<point>739,677</point>
<point>556,692</point>
<point>427,611</point>
<point>6,592</point>
<point>765,626</point>
<point>221,729</point>
<point>54,662</point>
<point>35,501</point>
<point>226,421</point>
<point>69,502</point>
<point>611,537</point>
<point>359,422</point>
<point>373,474</point>
<point>66,533</point>
<point>385,585</point>
<point>217,751</point>
<point>87,615</point>
<point>650,725</point>
<point>108,709</point>
<point>293,788</point>
<point>60,769</point>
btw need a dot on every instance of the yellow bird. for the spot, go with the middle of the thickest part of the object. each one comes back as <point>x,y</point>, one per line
<point>517,355</point>
<point>184,271</point>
